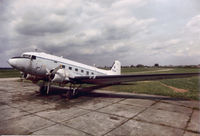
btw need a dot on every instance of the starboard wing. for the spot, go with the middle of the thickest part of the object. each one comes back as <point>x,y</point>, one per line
<point>114,79</point>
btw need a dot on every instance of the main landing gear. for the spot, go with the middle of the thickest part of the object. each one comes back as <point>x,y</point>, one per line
<point>72,92</point>
<point>45,88</point>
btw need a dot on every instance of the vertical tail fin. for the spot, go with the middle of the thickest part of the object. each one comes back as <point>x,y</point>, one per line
<point>116,68</point>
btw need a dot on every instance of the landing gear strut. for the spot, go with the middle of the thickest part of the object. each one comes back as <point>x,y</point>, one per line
<point>44,88</point>
<point>73,91</point>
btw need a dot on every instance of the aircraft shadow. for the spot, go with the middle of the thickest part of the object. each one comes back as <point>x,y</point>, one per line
<point>131,96</point>
<point>88,91</point>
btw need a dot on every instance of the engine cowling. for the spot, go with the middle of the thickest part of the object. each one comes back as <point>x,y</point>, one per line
<point>61,76</point>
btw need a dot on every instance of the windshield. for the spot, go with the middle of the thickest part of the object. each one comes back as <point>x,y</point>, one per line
<point>23,56</point>
<point>26,56</point>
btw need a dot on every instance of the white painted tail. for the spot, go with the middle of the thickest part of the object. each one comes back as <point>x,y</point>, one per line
<point>116,68</point>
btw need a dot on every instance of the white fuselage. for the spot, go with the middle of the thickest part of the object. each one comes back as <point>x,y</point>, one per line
<point>38,63</point>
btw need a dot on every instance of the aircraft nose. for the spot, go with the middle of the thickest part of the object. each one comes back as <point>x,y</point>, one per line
<point>12,62</point>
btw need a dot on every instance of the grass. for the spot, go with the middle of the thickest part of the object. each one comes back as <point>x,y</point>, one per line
<point>158,70</point>
<point>151,87</point>
<point>157,88</point>
<point>5,73</point>
<point>147,87</point>
<point>191,84</point>
<point>138,70</point>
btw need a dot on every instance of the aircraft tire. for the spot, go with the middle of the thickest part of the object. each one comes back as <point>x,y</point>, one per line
<point>75,94</point>
<point>69,94</point>
<point>43,90</point>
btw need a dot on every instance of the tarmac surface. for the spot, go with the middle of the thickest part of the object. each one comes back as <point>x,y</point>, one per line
<point>24,111</point>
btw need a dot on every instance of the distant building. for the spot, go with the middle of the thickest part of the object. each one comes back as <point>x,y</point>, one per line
<point>156,65</point>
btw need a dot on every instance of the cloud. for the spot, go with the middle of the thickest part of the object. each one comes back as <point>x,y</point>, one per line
<point>93,31</point>
<point>194,25</point>
<point>129,3</point>
<point>44,25</point>
<point>160,45</point>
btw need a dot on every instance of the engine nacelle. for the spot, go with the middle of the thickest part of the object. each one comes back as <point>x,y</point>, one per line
<point>61,76</point>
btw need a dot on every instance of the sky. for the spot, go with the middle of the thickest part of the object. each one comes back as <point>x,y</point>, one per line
<point>101,31</point>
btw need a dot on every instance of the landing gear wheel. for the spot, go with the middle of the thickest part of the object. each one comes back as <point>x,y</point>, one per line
<point>43,90</point>
<point>75,93</point>
<point>72,93</point>
<point>69,94</point>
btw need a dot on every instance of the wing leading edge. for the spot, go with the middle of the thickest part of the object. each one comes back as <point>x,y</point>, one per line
<point>114,79</point>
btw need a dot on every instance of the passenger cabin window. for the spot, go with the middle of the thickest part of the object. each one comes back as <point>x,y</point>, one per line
<point>55,61</point>
<point>82,71</point>
<point>63,66</point>
<point>33,57</point>
<point>92,73</point>
<point>76,69</point>
<point>87,72</point>
<point>70,68</point>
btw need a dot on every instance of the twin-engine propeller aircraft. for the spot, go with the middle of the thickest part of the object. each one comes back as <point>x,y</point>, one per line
<point>38,66</point>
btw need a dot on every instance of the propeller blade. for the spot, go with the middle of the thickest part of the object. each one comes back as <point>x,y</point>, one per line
<point>56,69</point>
<point>48,87</point>
<point>47,70</point>
<point>50,74</point>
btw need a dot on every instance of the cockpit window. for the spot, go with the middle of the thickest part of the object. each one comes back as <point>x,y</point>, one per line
<point>23,56</point>
<point>33,57</point>
<point>26,56</point>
